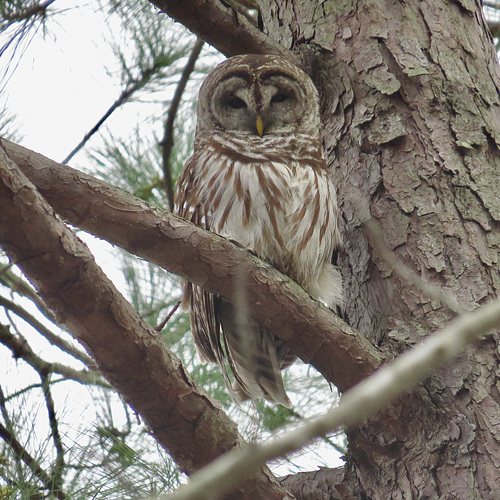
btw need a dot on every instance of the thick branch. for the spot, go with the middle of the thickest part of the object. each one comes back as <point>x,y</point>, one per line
<point>319,337</point>
<point>127,350</point>
<point>219,25</point>
<point>362,401</point>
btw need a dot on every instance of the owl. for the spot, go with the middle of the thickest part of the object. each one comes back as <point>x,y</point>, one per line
<point>258,177</point>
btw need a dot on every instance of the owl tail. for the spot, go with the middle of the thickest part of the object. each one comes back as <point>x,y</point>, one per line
<point>252,356</point>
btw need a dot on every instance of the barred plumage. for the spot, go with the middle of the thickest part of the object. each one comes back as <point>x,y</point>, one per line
<point>258,177</point>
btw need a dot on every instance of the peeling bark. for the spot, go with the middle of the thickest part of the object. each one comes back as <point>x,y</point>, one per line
<point>128,352</point>
<point>410,99</point>
<point>410,94</point>
<point>313,331</point>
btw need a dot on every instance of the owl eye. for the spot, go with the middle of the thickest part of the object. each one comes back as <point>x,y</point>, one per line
<point>236,103</point>
<point>279,97</point>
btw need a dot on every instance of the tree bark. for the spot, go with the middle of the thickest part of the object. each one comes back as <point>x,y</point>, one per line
<point>410,100</point>
<point>410,94</point>
<point>314,333</point>
<point>128,352</point>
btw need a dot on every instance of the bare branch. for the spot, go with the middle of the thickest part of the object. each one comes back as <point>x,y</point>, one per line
<point>22,454</point>
<point>58,467</point>
<point>49,335</point>
<point>314,333</point>
<point>21,349</point>
<point>21,287</point>
<point>218,24</point>
<point>167,142</point>
<point>132,87</point>
<point>360,402</point>
<point>127,350</point>
<point>161,326</point>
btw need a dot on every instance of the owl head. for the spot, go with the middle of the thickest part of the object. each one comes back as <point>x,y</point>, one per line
<point>260,96</point>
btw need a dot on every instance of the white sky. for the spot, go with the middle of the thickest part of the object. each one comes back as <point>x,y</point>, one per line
<point>59,89</point>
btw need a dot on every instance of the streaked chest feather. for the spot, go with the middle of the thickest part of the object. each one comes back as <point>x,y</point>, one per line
<point>284,212</point>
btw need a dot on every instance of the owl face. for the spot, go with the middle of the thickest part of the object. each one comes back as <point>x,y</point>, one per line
<point>258,95</point>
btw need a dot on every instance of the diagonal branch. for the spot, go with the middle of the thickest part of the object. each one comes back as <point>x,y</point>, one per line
<point>133,86</point>
<point>24,289</point>
<point>314,333</point>
<point>129,353</point>
<point>22,454</point>
<point>46,332</point>
<point>167,142</point>
<point>359,403</point>
<point>21,350</point>
<point>58,467</point>
<point>218,24</point>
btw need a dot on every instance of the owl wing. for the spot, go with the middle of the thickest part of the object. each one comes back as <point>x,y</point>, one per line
<point>247,349</point>
<point>202,305</point>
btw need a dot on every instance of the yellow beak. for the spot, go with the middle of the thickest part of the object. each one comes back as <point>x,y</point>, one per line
<point>259,125</point>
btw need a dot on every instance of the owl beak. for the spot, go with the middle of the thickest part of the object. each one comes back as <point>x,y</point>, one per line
<point>259,125</point>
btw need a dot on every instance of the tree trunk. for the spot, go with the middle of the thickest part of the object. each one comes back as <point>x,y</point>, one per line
<point>410,94</point>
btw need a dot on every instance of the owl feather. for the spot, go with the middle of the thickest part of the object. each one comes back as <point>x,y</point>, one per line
<point>258,177</point>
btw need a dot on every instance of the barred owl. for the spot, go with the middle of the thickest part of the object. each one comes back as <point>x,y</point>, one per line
<point>257,176</point>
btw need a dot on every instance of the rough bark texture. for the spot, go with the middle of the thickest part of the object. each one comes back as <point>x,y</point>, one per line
<point>221,26</point>
<point>313,331</point>
<point>128,352</point>
<point>411,125</point>
<point>410,95</point>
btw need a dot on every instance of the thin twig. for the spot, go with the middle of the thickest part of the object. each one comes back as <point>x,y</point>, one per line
<point>31,387</point>
<point>58,468</point>
<point>161,326</point>
<point>167,142</point>
<point>23,288</point>
<point>21,349</point>
<point>22,454</point>
<point>132,87</point>
<point>47,333</point>
<point>357,404</point>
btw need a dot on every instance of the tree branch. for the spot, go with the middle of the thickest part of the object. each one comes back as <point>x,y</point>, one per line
<point>21,349</point>
<point>44,331</point>
<point>58,467</point>
<point>360,402</point>
<point>133,86</point>
<point>21,287</point>
<point>167,142</point>
<point>129,352</point>
<point>39,10</point>
<point>22,454</point>
<point>218,24</point>
<point>314,333</point>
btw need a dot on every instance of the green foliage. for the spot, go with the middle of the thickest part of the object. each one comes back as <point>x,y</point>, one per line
<point>107,451</point>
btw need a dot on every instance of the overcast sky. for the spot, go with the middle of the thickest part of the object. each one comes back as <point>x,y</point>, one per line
<point>57,91</point>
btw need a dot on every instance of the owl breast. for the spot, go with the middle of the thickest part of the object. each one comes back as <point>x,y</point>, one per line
<point>285,212</point>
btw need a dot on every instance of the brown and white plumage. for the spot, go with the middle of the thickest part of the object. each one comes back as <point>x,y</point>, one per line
<point>258,177</point>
